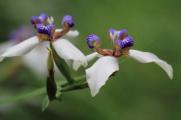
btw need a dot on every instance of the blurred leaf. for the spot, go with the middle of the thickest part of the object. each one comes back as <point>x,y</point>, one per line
<point>23,96</point>
<point>45,103</point>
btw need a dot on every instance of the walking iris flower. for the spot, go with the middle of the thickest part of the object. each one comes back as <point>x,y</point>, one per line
<point>46,32</point>
<point>108,64</point>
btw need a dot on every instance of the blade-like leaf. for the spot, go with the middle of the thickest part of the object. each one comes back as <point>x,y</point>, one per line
<point>51,88</point>
<point>62,65</point>
<point>51,84</point>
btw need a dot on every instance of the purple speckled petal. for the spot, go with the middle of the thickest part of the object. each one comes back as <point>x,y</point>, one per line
<point>45,29</point>
<point>122,34</point>
<point>69,20</point>
<point>91,39</point>
<point>126,42</point>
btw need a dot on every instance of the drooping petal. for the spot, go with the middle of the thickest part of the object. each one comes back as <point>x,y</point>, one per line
<point>92,56</point>
<point>147,57</point>
<point>99,73</point>
<point>70,34</point>
<point>70,53</point>
<point>21,48</point>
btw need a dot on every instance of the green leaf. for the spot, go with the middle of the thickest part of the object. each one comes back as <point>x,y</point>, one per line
<point>51,88</point>
<point>45,103</point>
<point>62,65</point>
<point>51,84</point>
<point>50,63</point>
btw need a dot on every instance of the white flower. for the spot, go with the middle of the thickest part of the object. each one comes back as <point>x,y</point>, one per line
<point>105,66</point>
<point>108,64</point>
<point>69,52</point>
<point>64,48</point>
<point>34,49</point>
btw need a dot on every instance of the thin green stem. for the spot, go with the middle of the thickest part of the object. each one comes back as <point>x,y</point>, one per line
<point>23,96</point>
<point>80,77</point>
<point>75,87</point>
<point>78,85</point>
<point>77,80</point>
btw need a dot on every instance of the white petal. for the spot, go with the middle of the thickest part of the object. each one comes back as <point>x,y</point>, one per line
<point>71,33</point>
<point>4,46</point>
<point>50,20</point>
<point>70,53</point>
<point>92,56</point>
<point>146,57</point>
<point>36,60</point>
<point>100,71</point>
<point>21,48</point>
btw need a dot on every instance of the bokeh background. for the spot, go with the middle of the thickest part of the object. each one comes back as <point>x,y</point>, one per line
<point>137,92</point>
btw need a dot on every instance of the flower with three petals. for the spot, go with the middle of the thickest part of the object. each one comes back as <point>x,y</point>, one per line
<point>108,63</point>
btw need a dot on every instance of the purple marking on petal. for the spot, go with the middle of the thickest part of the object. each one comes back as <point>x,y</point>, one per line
<point>43,17</point>
<point>126,42</point>
<point>122,34</point>
<point>69,20</point>
<point>45,29</point>
<point>91,39</point>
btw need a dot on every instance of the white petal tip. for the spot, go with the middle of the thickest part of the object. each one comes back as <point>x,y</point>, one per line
<point>147,57</point>
<point>93,94</point>
<point>170,73</point>
<point>1,58</point>
<point>76,33</point>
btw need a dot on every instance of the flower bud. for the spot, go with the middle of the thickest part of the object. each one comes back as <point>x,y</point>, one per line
<point>126,42</point>
<point>34,20</point>
<point>45,29</point>
<point>122,34</point>
<point>92,40</point>
<point>43,17</point>
<point>68,20</point>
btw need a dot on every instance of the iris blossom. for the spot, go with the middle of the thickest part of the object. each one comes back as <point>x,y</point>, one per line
<point>108,63</point>
<point>46,32</point>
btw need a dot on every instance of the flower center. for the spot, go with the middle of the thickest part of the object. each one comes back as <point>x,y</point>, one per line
<point>121,43</point>
<point>46,29</point>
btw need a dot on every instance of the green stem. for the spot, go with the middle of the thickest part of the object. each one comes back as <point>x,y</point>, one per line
<point>66,88</point>
<point>41,91</point>
<point>77,80</point>
<point>23,96</point>
<point>80,78</point>
<point>75,87</point>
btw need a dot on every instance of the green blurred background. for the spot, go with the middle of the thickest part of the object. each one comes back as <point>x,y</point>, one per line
<point>137,92</point>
